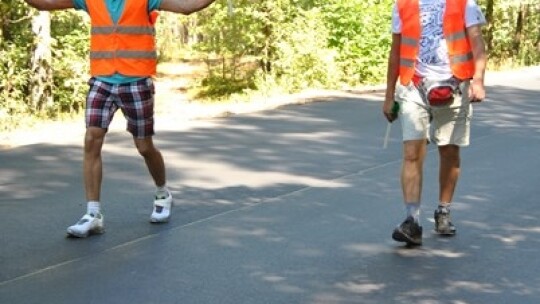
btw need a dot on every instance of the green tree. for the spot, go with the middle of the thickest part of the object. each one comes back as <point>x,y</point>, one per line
<point>41,72</point>
<point>14,58</point>
<point>512,32</point>
<point>360,30</point>
<point>290,44</point>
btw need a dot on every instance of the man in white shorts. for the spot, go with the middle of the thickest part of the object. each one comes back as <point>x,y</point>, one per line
<point>438,55</point>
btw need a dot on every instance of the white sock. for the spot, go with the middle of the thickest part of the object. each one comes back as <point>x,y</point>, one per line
<point>413,209</point>
<point>162,192</point>
<point>93,207</point>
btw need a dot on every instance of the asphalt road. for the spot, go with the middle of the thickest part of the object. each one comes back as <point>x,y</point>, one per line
<point>294,205</point>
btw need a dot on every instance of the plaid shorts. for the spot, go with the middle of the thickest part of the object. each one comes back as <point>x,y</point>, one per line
<point>135,99</point>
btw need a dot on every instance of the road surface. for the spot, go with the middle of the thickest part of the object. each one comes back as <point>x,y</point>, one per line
<point>292,205</point>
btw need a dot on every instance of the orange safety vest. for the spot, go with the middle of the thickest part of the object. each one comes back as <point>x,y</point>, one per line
<point>127,48</point>
<point>459,47</point>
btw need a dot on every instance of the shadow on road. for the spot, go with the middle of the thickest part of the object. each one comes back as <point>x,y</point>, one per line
<point>323,165</point>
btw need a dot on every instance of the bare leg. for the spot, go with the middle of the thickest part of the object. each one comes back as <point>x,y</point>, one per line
<point>153,158</point>
<point>414,152</point>
<point>410,231</point>
<point>92,164</point>
<point>156,167</point>
<point>448,172</point>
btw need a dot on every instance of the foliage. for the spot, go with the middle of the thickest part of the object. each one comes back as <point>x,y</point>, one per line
<point>70,62</point>
<point>13,82</point>
<point>228,36</point>
<point>264,46</point>
<point>513,34</point>
<point>14,58</point>
<point>286,38</point>
<point>303,58</point>
<point>360,30</point>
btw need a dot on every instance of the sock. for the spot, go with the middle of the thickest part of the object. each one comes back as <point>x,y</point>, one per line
<point>162,192</point>
<point>413,209</point>
<point>444,207</point>
<point>93,207</point>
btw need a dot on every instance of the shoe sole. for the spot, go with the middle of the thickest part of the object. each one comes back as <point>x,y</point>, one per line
<point>85,235</point>
<point>399,236</point>
<point>159,221</point>
<point>445,232</point>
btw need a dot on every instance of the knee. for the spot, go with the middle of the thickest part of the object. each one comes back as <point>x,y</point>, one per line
<point>145,149</point>
<point>93,140</point>
<point>414,151</point>
<point>411,157</point>
<point>449,153</point>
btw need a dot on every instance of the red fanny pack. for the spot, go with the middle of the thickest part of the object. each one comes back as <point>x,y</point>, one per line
<point>439,96</point>
<point>439,92</point>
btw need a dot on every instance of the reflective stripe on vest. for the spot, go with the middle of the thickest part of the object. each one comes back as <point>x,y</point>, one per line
<point>456,59</point>
<point>128,47</point>
<point>459,49</point>
<point>128,30</point>
<point>456,36</point>
<point>406,62</point>
<point>123,54</point>
<point>409,41</point>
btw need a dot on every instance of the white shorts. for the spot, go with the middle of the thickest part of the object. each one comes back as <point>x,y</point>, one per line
<point>444,125</point>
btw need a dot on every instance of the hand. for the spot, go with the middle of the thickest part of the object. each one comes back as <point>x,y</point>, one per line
<point>388,110</point>
<point>477,92</point>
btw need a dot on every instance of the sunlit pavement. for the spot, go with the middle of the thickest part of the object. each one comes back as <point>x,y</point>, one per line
<point>293,205</point>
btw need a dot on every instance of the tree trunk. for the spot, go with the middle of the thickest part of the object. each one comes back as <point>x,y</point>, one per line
<point>518,34</point>
<point>489,20</point>
<point>41,76</point>
<point>1,30</point>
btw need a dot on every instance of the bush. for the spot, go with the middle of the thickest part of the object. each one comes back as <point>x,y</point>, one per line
<point>303,58</point>
<point>70,62</point>
<point>217,87</point>
<point>14,76</point>
<point>360,31</point>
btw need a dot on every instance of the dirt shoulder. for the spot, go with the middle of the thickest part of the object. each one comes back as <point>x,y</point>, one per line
<point>175,111</point>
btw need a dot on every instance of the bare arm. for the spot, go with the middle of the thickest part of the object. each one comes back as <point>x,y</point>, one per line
<point>392,75</point>
<point>50,5</point>
<point>477,91</point>
<point>185,7</point>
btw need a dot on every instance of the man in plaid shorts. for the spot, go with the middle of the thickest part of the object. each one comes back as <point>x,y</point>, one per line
<point>122,61</point>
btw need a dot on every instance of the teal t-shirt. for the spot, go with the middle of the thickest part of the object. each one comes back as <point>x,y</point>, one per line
<point>115,8</point>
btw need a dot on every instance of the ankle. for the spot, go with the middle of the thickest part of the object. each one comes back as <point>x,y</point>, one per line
<point>93,207</point>
<point>413,210</point>
<point>162,191</point>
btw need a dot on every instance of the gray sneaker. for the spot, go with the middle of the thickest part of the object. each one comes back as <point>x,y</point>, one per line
<point>409,232</point>
<point>443,224</point>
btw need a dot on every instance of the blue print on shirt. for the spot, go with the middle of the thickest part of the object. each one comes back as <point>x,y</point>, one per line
<point>433,49</point>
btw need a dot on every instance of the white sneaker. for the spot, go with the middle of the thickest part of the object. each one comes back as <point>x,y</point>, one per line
<point>88,224</point>
<point>162,209</point>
